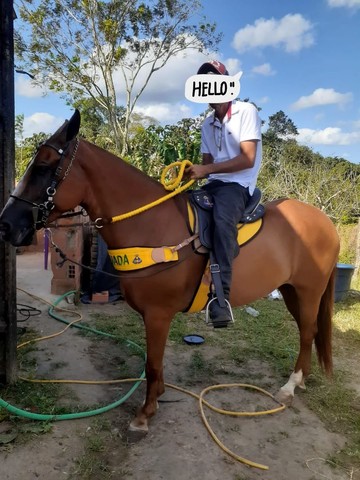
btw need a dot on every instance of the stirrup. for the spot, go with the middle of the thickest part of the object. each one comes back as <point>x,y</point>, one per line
<point>208,320</point>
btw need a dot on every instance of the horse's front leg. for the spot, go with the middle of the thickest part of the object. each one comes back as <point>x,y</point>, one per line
<point>157,325</point>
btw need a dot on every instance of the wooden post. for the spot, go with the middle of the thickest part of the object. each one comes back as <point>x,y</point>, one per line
<point>8,328</point>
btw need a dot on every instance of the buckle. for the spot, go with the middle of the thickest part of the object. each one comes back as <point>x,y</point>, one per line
<point>214,268</point>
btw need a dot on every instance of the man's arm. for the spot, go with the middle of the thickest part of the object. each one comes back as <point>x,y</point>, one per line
<point>244,160</point>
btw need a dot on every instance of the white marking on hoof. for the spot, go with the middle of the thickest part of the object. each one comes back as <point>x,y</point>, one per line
<point>287,392</point>
<point>302,384</point>
<point>284,397</point>
<point>157,404</point>
<point>138,428</point>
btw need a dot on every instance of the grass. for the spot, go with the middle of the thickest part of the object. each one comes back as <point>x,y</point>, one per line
<point>272,336</point>
<point>43,398</point>
<point>93,463</point>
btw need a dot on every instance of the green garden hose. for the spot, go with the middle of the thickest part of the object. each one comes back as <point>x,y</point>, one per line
<point>70,416</point>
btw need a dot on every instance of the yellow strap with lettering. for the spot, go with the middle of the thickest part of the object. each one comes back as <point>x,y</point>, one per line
<point>135,258</point>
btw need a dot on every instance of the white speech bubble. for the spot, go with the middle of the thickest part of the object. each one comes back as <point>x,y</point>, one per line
<point>212,88</point>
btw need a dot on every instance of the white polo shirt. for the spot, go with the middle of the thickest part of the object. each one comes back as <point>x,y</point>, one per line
<point>222,141</point>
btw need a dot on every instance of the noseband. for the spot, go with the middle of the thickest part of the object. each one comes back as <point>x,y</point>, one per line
<point>42,211</point>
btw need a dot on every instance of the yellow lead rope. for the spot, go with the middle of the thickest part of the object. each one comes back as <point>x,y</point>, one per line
<point>173,184</point>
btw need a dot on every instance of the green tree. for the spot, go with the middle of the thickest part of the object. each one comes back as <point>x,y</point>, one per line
<point>156,146</point>
<point>83,48</point>
<point>25,149</point>
<point>94,123</point>
<point>281,126</point>
<point>19,142</point>
<point>295,171</point>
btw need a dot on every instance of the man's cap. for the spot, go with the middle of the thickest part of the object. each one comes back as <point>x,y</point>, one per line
<point>213,66</point>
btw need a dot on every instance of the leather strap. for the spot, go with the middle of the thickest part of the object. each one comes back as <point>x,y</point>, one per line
<point>216,279</point>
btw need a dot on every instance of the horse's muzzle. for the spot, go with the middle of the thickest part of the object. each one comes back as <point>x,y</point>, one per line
<point>19,231</point>
<point>17,236</point>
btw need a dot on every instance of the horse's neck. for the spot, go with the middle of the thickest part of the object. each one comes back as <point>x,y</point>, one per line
<point>115,188</point>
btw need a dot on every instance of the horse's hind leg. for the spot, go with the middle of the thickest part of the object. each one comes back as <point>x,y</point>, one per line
<point>303,306</point>
<point>157,326</point>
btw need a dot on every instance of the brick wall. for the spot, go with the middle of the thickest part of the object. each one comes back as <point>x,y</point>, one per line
<point>70,239</point>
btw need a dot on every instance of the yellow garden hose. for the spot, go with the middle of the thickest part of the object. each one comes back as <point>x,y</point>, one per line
<point>200,398</point>
<point>202,402</point>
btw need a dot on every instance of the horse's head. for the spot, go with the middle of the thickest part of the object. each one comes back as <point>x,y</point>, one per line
<point>35,198</point>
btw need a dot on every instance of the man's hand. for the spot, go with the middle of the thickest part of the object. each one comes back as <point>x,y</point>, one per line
<point>195,172</point>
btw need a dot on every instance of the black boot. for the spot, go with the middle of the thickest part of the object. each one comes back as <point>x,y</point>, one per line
<point>220,316</point>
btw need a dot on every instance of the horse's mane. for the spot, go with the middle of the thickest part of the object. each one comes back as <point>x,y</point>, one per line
<point>125,163</point>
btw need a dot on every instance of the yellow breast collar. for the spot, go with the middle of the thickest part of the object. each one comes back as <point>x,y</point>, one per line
<point>135,258</point>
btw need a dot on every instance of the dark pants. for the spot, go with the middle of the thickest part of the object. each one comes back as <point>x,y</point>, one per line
<point>229,200</point>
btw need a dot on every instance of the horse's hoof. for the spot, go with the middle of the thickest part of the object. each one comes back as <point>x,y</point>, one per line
<point>284,397</point>
<point>136,433</point>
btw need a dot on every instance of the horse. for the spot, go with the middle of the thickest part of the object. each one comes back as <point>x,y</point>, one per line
<point>295,251</point>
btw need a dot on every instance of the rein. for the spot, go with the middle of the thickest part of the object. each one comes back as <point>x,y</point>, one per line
<point>172,184</point>
<point>42,211</point>
<point>167,184</point>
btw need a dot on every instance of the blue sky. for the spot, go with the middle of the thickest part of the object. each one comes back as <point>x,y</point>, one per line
<point>297,56</point>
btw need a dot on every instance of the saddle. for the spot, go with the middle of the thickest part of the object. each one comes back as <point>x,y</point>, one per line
<point>202,204</point>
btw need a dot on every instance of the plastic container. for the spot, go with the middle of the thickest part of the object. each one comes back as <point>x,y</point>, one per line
<point>344,273</point>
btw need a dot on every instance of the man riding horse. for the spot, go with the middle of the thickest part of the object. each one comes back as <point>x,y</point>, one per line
<point>231,150</point>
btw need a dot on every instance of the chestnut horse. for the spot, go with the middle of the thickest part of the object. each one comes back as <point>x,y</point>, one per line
<point>296,250</point>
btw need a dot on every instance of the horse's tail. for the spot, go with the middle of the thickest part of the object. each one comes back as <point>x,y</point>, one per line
<point>323,338</point>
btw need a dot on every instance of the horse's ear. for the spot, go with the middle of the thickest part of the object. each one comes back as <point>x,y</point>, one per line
<point>72,128</point>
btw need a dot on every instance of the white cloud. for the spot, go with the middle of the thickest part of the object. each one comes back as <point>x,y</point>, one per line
<point>41,122</point>
<point>344,3</point>
<point>327,136</point>
<point>165,112</point>
<point>264,69</point>
<point>263,100</point>
<point>164,96</point>
<point>233,65</point>
<point>322,96</point>
<point>166,84</point>
<point>25,88</point>
<point>292,32</point>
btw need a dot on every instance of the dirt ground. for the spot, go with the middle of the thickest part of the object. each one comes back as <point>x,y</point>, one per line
<point>292,443</point>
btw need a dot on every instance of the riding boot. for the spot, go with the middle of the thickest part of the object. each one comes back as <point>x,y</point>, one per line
<point>220,313</point>
<point>220,316</point>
